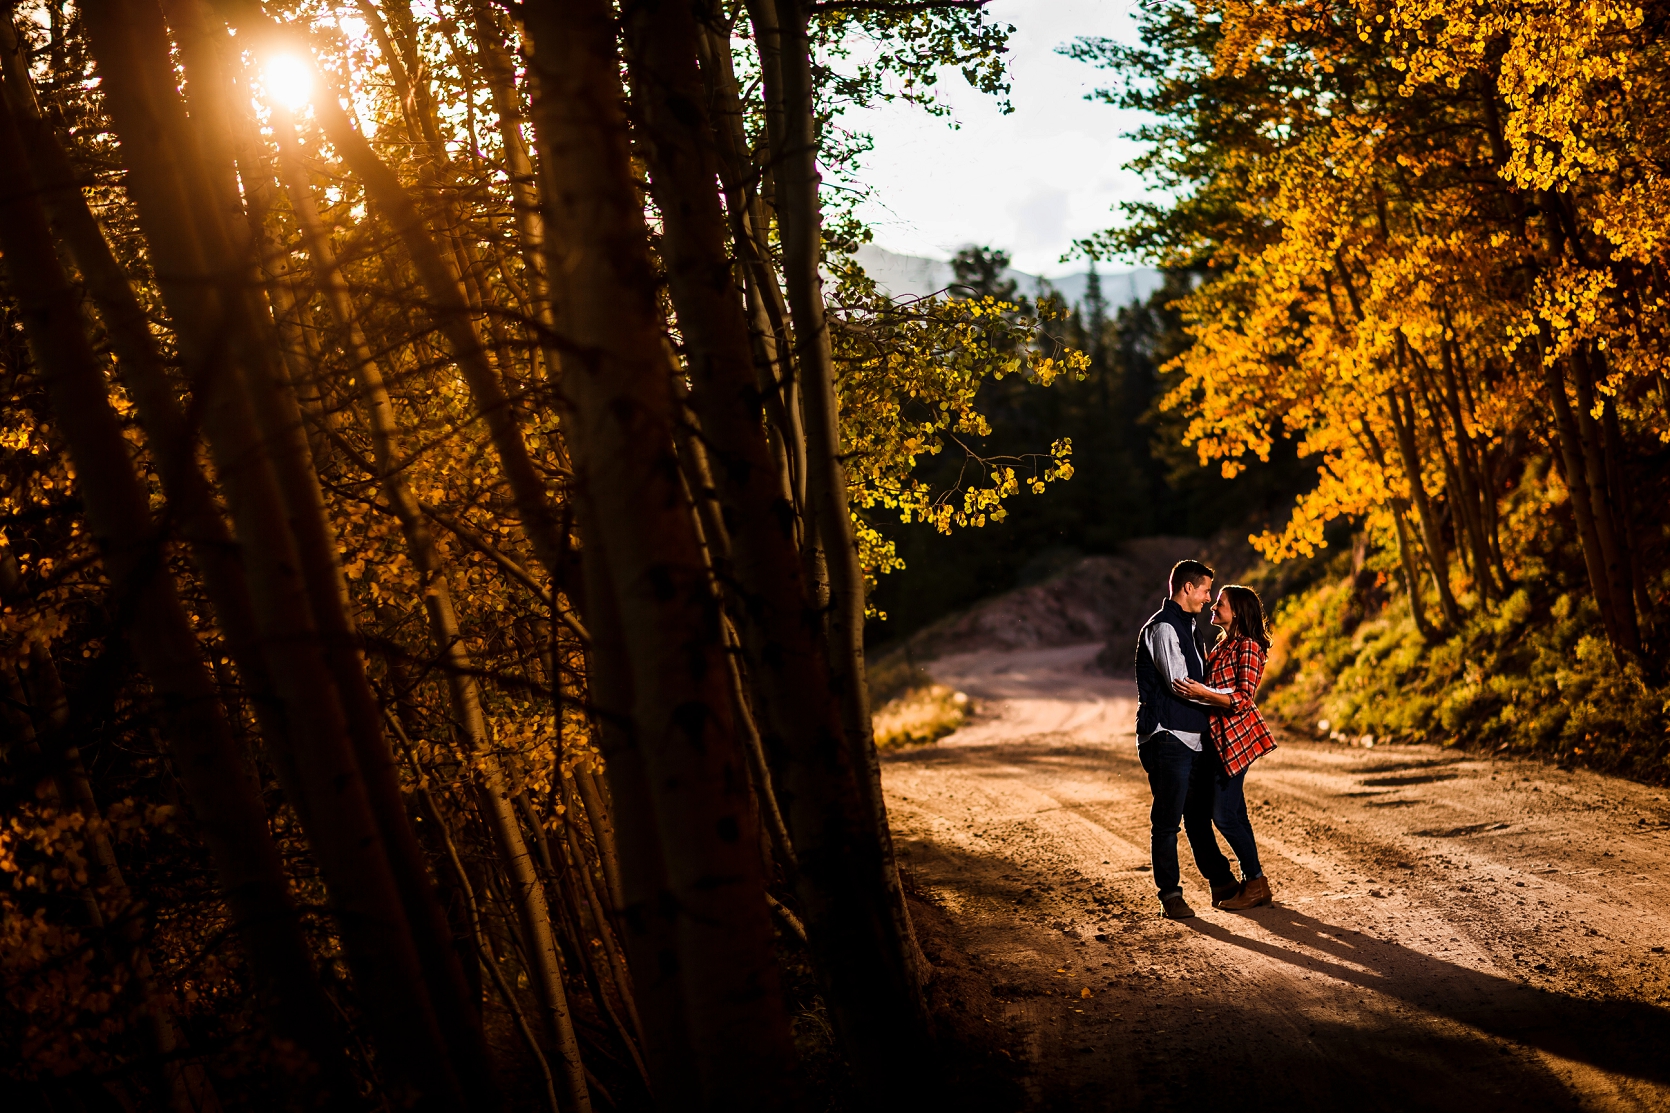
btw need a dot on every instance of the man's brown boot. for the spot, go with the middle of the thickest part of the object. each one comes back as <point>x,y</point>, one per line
<point>1254,894</point>
<point>1221,893</point>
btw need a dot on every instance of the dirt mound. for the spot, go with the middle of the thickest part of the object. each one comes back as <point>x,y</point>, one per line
<point>1098,598</point>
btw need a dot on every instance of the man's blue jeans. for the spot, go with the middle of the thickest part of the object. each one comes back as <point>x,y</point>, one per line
<point>1184,782</point>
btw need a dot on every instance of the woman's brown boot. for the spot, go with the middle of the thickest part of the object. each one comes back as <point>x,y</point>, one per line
<point>1254,894</point>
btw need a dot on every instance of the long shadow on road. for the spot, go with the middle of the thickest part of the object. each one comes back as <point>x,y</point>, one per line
<point>1620,1036</point>
<point>1217,1031</point>
<point>1221,1036</point>
<point>1279,1010</point>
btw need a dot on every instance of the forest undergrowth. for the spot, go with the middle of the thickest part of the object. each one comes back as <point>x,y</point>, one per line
<point>1528,675</point>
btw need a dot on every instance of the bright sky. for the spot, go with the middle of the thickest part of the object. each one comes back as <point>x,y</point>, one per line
<point>1030,182</point>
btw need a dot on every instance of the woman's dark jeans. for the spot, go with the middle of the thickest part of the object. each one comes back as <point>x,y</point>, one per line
<point>1229,812</point>
<point>1183,781</point>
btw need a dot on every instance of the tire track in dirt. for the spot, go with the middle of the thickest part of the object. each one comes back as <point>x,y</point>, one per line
<point>1451,932</point>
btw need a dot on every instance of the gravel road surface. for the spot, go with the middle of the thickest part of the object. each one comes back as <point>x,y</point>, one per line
<point>1451,932</point>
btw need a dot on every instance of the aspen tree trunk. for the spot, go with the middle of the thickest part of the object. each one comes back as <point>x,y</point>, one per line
<point>1409,456</point>
<point>800,228</point>
<point>220,785</point>
<point>579,891</point>
<point>1450,511</point>
<point>527,893</point>
<point>1469,543</point>
<point>498,65</point>
<point>331,793</point>
<point>1405,549</point>
<point>396,34</point>
<point>601,819</point>
<point>1494,534</point>
<point>1584,467</point>
<point>141,367</point>
<point>399,711</point>
<point>409,88</point>
<point>1411,575</point>
<point>1609,527</point>
<point>575,918</point>
<point>767,21</point>
<point>1483,457</point>
<point>1431,529</point>
<point>446,302</point>
<point>408,72</point>
<point>189,1089</point>
<point>1409,451</point>
<point>1572,471</point>
<point>1473,491</point>
<point>715,543</point>
<point>768,314</point>
<point>298,351</point>
<point>202,42</point>
<point>617,387</point>
<point>250,224</point>
<point>863,966</point>
<point>1461,499</point>
<point>478,934</point>
<point>768,45</point>
<point>771,814</point>
<point>1621,500</point>
<point>645,914</point>
<point>298,354</point>
<point>397,38</point>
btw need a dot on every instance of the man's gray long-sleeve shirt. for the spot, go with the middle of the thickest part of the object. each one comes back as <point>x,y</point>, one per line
<point>1167,654</point>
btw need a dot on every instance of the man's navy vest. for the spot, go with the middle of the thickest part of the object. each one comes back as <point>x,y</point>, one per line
<point>1157,707</point>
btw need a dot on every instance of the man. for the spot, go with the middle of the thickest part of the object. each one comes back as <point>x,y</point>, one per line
<point>1171,737</point>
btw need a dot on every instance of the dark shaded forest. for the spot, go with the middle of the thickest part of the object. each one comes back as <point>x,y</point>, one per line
<point>433,671</point>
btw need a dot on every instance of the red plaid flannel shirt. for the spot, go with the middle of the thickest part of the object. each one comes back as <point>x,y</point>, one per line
<point>1238,735</point>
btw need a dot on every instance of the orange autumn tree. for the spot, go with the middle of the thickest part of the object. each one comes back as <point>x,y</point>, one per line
<point>1431,249</point>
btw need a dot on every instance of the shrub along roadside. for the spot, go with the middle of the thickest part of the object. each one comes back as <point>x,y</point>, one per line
<point>1530,676</point>
<point>920,716</point>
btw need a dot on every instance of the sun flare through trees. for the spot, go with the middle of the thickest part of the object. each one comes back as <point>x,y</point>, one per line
<point>436,449</point>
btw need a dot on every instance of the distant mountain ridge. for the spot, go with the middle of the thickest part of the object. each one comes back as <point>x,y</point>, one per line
<point>915,276</point>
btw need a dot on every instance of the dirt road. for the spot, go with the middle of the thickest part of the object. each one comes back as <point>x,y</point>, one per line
<point>1451,932</point>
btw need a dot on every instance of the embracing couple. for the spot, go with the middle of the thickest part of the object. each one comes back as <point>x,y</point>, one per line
<point>1197,733</point>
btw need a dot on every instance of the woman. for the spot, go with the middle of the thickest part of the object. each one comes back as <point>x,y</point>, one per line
<point>1239,736</point>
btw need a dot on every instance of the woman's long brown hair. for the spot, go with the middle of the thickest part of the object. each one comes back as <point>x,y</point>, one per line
<point>1249,614</point>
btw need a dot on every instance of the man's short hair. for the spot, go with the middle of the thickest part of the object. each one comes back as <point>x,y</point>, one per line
<point>1189,572</point>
